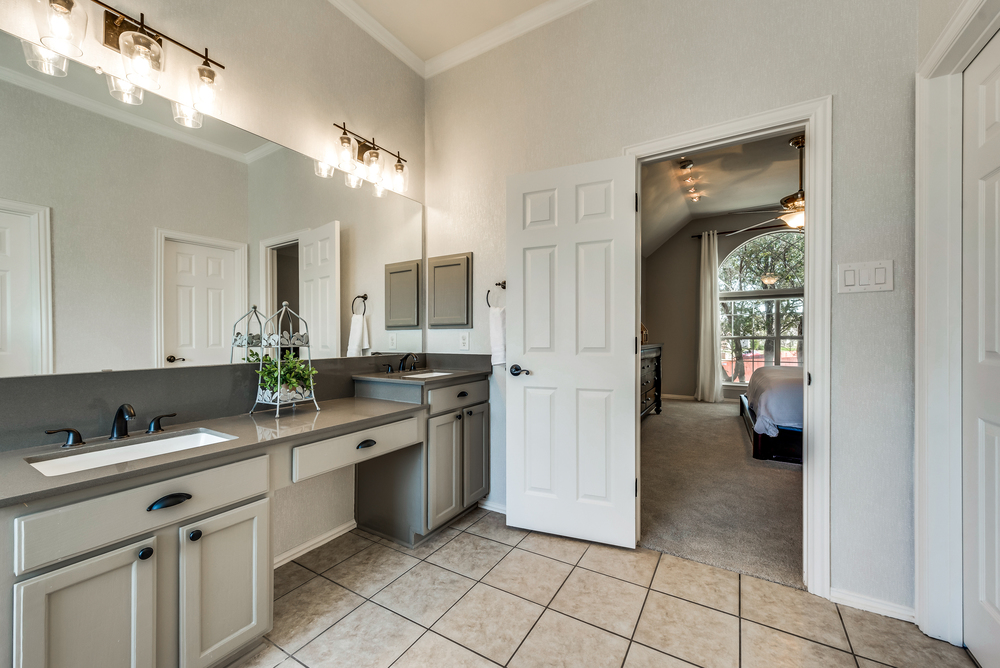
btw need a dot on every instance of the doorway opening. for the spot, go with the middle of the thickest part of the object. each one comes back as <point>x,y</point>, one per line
<point>723,286</point>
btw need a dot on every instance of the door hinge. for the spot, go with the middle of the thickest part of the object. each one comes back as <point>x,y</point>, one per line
<point>809,379</point>
<point>637,345</point>
<point>637,488</point>
<point>637,202</point>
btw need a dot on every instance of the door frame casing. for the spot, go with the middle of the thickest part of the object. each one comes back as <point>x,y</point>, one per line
<point>41,270</point>
<point>816,118</point>
<point>162,237</point>
<point>938,319</point>
<point>267,297</point>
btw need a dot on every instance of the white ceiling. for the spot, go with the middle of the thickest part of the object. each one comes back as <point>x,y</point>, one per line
<point>83,87</point>
<point>434,35</point>
<point>732,178</point>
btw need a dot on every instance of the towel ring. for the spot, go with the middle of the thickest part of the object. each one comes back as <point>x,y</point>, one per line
<point>364,304</point>
<point>502,285</point>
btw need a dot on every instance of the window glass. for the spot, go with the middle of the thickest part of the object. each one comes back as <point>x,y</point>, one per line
<point>779,253</point>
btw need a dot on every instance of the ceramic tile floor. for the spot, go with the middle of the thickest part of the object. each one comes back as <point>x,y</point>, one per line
<point>482,594</point>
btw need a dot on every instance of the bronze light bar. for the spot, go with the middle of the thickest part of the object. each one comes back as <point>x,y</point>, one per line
<point>142,27</point>
<point>363,142</point>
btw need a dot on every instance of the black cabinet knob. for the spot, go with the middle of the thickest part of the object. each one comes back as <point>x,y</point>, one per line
<point>145,553</point>
<point>195,535</point>
<point>458,417</point>
<point>468,413</point>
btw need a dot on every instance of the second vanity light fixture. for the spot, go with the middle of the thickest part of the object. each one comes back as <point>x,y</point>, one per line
<point>363,160</point>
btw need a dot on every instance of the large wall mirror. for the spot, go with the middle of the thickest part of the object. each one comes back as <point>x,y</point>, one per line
<point>127,240</point>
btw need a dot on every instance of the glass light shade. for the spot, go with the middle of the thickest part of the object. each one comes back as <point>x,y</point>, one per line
<point>62,25</point>
<point>768,279</point>
<point>347,148</point>
<point>143,58</point>
<point>374,165</point>
<point>206,88</point>
<point>795,219</point>
<point>380,188</point>
<point>323,170</point>
<point>353,179</point>
<point>400,176</point>
<point>123,91</point>
<point>186,116</point>
<point>44,60</point>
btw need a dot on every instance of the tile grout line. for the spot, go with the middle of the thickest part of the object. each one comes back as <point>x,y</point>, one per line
<point>642,609</point>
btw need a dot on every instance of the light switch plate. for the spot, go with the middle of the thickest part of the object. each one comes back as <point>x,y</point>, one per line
<point>463,340</point>
<point>865,276</point>
<point>392,341</point>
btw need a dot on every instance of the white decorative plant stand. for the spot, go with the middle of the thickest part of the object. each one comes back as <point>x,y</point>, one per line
<point>249,340</point>
<point>275,336</point>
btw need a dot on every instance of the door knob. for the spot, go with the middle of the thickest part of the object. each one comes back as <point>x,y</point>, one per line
<point>516,370</point>
<point>171,359</point>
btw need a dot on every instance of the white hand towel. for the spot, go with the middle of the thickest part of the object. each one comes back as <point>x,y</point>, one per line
<point>358,340</point>
<point>498,334</point>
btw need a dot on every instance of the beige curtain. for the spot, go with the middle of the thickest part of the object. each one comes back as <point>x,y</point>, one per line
<point>709,384</point>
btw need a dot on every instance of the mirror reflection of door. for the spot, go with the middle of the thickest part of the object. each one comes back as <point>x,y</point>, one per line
<point>199,302</point>
<point>25,292</point>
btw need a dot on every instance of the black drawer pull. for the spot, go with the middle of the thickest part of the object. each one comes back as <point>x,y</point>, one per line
<point>145,553</point>
<point>366,444</point>
<point>195,535</point>
<point>169,500</point>
<point>462,394</point>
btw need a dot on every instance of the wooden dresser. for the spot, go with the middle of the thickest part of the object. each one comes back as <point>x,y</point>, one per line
<point>649,379</point>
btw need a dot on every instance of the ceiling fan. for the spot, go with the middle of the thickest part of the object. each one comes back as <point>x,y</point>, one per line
<point>793,207</point>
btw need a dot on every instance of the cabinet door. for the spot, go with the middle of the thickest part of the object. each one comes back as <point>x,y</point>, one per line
<point>444,468</point>
<point>476,453</point>
<point>99,613</point>
<point>225,583</point>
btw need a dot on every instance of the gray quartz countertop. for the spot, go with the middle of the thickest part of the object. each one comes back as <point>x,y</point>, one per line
<point>20,482</point>
<point>406,377</point>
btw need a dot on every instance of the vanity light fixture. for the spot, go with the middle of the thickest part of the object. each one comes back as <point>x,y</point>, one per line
<point>364,160</point>
<point>379,188</point>
<point>206,87</point>
<point>143,57</point>
<point>695,198</point>
<point>323,170</point>
<point>44,60</point>
<point>62,25</point>
<point>124,91</point>
<point>186,116</point>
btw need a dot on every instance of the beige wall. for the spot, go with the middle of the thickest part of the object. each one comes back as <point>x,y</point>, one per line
<point>934,15</point>
<point>670,297</point>
<point>620,72</point>
<point>293,68</point>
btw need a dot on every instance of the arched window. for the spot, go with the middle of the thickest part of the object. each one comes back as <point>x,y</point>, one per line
<point>761,288</point>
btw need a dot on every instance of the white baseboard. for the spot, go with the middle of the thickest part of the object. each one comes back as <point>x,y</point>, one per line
<point>678,397</point>
<point>495,507</point>
<point>310,545</point>
<point>875,605</point>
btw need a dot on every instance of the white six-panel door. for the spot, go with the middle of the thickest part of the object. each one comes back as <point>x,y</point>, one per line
<point>319,288</point>
<point>25,290</point>
<point>981,355</point>
<point>199,303</point>
<point>572,424</point>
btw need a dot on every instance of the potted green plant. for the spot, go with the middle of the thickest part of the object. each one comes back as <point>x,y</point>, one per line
<point>295,376</point>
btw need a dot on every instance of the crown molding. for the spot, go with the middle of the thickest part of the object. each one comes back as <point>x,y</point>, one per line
<point>491,39</point>
<point>88,104</point>
<point>371,26</point>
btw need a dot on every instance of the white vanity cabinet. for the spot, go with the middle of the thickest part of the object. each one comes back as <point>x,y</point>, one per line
<point>97,612</point>
<point>192,586</point>
<point>225,583</point>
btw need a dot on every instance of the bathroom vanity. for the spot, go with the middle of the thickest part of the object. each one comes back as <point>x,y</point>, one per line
<point>168,559</point>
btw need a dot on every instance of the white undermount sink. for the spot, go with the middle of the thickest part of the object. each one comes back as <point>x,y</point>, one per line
<point>73,462</point>
<point>429,374</point>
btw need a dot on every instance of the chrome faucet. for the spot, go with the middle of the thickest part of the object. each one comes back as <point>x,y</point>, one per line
<point>402,362</point>
<point>119,428</point>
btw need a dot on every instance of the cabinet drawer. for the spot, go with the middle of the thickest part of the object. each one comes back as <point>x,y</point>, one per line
<point>334,453</point>
<point>53,535</point>
<point>455,396</point>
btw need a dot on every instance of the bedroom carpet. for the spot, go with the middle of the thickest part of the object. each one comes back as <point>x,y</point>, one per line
<point>705,498</point>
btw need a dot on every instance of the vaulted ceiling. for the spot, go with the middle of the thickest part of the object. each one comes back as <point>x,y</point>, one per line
<point>732,178</point>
